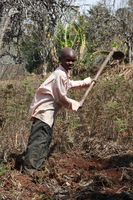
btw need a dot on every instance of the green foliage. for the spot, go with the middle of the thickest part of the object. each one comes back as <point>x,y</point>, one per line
<point>71,35</point>
<point>2,168</point>
<point>120,125</point>
<point>14,192</point>
<point>38,196</point>
<point>72,122</point>
<point>31,51</point>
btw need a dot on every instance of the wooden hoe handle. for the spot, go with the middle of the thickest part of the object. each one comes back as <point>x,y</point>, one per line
<point>98,74</point>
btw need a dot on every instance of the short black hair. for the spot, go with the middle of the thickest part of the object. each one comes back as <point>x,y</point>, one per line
<point>65,50</point>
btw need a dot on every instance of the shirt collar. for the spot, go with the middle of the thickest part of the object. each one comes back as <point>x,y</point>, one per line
<point>63,69</point>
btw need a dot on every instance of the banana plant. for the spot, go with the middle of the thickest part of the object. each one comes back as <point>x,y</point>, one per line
<point>71,35</point>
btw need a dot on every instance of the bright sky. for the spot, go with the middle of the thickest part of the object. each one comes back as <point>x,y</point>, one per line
<point>88,3</point>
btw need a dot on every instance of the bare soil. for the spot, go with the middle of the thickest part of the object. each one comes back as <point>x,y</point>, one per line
<point>70,175</point>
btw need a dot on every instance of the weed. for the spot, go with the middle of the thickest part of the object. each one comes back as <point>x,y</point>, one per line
<point>38,196</point>
<point>3,169</point>
<point>121,126</point>
<point>49,199</point>
<point>14,193</point>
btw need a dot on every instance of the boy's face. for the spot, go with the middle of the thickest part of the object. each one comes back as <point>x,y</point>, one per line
<point>68,60</point>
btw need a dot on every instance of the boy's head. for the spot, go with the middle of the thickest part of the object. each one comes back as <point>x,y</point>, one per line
<point>67,58</point>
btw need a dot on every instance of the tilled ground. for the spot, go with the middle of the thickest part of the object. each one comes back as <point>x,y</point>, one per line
<point>71,175</point>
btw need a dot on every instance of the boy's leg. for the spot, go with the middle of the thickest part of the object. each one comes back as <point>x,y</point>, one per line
<point>38,144</point>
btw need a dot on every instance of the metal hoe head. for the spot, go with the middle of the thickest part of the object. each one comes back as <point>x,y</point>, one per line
<point>118,55</point>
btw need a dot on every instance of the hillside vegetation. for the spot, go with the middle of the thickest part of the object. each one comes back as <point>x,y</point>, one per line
<point>91,150</point>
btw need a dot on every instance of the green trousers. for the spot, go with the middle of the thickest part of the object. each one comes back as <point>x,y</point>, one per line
<point>38,144</point>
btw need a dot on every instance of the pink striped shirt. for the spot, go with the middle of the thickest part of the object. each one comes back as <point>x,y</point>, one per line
<point>52,95</point>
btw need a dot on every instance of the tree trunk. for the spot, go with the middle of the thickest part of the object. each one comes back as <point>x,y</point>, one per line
<point>4,25</point>
<point>44,69</point>
<point>130,52</point>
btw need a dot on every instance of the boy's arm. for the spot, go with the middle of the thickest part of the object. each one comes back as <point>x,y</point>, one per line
<point>60,88</point>
<point>80,84</point>
<point>60,91</point>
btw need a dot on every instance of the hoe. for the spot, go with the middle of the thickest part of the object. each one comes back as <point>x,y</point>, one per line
<point>117,55</point>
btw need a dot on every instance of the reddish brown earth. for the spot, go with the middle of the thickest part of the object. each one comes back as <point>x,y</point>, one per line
<point>70,175</point>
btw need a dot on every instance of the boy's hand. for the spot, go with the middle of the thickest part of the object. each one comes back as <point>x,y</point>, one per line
<point>81,104</point>
<point>93,80</point>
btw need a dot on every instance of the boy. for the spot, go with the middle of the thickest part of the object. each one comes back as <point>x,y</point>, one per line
<point>48,99</point>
